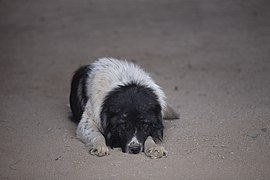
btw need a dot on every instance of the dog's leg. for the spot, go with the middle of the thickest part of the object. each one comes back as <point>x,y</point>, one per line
<point>88,133</point>
<point>152,150</point>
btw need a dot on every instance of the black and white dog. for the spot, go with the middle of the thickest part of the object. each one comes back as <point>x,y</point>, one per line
<point>117,104</point>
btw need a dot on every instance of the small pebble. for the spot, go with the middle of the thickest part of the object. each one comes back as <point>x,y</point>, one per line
<point>56,159</point>
<point>253,135</point>
<point>219,146</point>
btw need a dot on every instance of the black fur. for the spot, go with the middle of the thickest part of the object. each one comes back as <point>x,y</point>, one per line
<point>78,97</point>
<point>127,108</point>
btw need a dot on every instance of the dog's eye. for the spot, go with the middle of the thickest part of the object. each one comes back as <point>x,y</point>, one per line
<point>144,125</point>
<point>124,125</point>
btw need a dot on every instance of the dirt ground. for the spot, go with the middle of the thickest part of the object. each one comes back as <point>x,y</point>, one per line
<point>212,59</point>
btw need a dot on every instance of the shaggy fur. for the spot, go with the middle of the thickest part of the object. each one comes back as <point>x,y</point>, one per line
<point>117,104</point>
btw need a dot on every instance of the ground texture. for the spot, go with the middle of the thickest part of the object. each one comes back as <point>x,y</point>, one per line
<point>212,59</point>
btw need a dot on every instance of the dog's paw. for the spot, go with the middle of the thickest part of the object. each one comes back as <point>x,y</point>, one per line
<point>156,152</point>
<point>99,150</point>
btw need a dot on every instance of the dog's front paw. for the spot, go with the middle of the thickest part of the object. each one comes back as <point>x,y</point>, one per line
<point>99,150</point>
<point>156,152</point>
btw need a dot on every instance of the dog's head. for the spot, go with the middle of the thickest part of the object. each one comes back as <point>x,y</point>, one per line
<point>130,114</point>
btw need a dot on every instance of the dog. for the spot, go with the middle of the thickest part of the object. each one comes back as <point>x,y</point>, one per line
<point>117,104</point>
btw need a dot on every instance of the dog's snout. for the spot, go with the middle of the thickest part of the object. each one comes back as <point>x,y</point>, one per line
<point>135,148</point>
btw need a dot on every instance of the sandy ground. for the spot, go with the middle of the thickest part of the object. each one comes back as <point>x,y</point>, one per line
<point>211,57</point>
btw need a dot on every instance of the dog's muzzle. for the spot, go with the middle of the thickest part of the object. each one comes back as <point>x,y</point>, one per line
<point>134,147</point>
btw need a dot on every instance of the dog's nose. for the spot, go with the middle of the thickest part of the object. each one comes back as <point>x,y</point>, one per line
<point>135,149</point>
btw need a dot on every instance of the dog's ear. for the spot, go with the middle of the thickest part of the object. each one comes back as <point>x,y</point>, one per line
<point>110,133</point>
<point>106,125</point>
<point>108,130</point>
<point>158,127</point>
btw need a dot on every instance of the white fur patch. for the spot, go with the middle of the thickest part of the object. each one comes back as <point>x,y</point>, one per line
<point>134,140</point>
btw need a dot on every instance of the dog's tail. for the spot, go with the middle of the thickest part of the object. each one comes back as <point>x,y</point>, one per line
<point>169,113</point>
